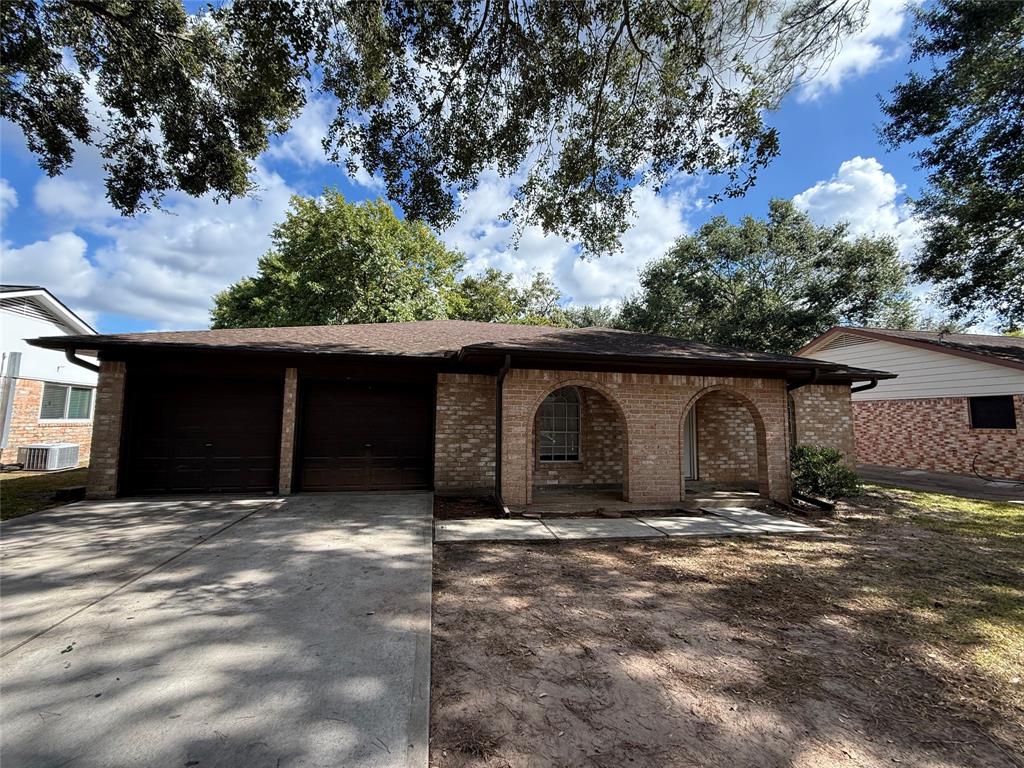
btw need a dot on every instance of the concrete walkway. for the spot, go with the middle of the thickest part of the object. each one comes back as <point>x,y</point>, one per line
<point>965,486</point>
<point>727,521</point>
<point>218,632</point>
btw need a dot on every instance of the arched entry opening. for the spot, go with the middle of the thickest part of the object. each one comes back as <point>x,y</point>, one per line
<point>578,446</point>
<point>723,442</point>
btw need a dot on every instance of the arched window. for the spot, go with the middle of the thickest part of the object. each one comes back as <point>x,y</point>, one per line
<point>560,426</point>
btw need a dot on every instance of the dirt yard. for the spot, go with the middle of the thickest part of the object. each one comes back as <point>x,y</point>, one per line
<point>895,639</point>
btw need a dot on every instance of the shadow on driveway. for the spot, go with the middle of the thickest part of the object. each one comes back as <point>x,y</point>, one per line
<point>219,633</point>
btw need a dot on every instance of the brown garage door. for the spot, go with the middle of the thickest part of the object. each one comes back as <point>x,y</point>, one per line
<point>359,436</point>
<point>198,435</point>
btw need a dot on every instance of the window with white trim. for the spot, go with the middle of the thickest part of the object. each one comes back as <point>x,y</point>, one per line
<point>560,426</point>
<point>62,402</point>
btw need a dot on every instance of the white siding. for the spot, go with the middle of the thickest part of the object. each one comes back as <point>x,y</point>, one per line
<point>36,363</point>
<point>924,373</point>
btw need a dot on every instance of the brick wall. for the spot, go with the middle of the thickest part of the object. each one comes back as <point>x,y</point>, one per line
<point>464,433</point>
<point>935,434</point>
<point>602,447</point>
<point>654,405</point>
<point>726,440</point>
<point>106,431</point>
<point>824,416</point>
<point>288,419</point>
<point>26,428</point>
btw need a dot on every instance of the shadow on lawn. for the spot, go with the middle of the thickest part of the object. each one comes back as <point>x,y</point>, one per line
<point>887,642</point>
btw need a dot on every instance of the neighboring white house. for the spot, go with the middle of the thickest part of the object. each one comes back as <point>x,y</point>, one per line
<point>957,404</point>
<point>44,398</point>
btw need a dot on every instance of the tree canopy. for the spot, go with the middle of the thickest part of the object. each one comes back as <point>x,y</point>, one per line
<point>967,113</point>
<point>494,297</point>
<point>590,97</point>
<point>336,262</point>
<point>770,284</point>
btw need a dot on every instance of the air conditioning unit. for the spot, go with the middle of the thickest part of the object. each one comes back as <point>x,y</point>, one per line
<point>48,457</point>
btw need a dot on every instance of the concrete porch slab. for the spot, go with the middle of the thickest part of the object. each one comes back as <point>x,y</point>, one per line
<point>491,530</point>
<point>598,528</point>
<point>697,526</point>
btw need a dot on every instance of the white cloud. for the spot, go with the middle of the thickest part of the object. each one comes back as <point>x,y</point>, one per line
<point>876,44</point>
<point>8,197</point>
<point>163,266</point>
<point>73,200</point>
<point>303,144</point>
<point>59,263</point>
<point>488,241</point>
<point>865,195</point>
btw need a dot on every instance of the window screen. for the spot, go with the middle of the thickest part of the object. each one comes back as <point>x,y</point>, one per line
<point>993,412</point>
<point>560,426</point>
<point>55,402</point>
<point>79,403</point>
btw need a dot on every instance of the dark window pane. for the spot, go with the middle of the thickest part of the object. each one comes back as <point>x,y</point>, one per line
<point>79,403</point>
<point>55,399</point>
<point>993,412</point>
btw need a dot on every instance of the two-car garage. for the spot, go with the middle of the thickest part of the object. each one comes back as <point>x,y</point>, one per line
<point>209,434</point>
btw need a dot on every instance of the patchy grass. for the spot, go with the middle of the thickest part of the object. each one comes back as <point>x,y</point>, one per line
<point>22,493</point>
<point>954,514</point>
<point>896,638</point>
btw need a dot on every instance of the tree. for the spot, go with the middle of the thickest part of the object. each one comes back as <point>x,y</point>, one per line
<point>969,112</point>
<point>338,262</point>
<point>494,297</point>
<point>770,285</point>
<point>588,99</point>
<point>589,316</point>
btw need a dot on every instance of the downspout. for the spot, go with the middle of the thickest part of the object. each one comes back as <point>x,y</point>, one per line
<point>69,353</point>
<point>865,387</point>
<point>498,401</point>
<point>797,384</point>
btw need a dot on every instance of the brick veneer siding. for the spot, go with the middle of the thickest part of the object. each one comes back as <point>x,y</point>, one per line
<point>464,433</point>
<point>654,406</point>
<point>106,431</point>
<point>288,417</point>
<point>602,447</point>
<point>726,440</point>
<point>824,416</point>
<point>935,434</point>
<point>26,428</point>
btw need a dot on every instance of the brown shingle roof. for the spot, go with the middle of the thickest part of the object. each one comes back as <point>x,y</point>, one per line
<point>428,338</point>
<point>449,338</point>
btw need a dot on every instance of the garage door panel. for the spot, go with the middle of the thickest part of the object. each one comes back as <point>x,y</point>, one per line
<point>194,435</point>
<point>375,436</point>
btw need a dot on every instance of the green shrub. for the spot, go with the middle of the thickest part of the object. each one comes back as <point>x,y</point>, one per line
<point>822,473</point>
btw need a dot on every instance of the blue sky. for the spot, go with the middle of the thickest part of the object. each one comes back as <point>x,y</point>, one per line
<point>160,270</point>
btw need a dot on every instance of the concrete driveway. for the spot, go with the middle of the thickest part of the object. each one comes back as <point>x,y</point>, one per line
<point>218,632</point>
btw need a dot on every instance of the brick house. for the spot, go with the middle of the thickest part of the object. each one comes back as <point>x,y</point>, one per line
<point>956,406</point>
<point>43,397</point>
<point>431,404</point>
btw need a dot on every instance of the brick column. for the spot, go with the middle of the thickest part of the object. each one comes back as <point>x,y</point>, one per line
<point>288,415</point>
<point>108,418</point>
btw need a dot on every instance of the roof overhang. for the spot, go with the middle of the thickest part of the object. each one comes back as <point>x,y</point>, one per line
<point>831,333</point>
<point>54,305</point>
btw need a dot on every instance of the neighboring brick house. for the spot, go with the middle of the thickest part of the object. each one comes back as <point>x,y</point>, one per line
<point>431,404</point>
<point>44,398</point>
<point>956,406</point>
